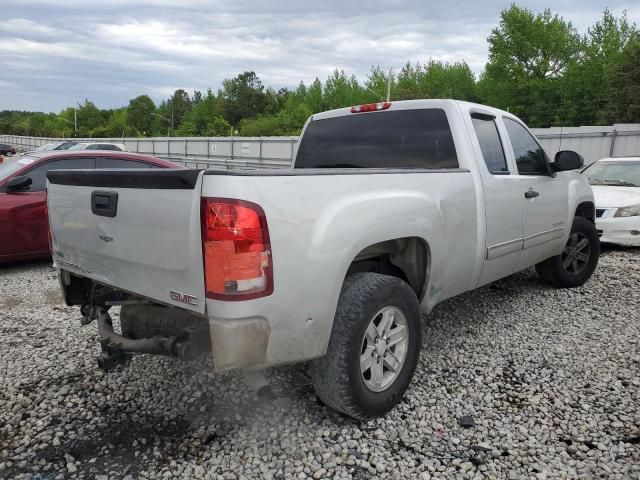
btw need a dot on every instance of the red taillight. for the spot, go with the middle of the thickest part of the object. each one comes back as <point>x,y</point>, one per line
<point>370,107</point>
<point>236,249</point>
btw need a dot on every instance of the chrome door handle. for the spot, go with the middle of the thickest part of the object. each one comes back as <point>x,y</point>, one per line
<point>531,194</point>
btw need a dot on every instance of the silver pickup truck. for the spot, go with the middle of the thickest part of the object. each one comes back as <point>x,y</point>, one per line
<point>388,210</point>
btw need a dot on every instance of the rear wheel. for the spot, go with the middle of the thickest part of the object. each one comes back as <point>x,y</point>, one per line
<point>577,262</point>
<point>373,349</point>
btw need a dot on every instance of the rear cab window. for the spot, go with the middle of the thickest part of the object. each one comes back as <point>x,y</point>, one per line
<point>419,138</point>
<point>106,162</point>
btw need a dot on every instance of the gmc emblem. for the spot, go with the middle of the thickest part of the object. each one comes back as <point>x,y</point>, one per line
<point>183,298</point>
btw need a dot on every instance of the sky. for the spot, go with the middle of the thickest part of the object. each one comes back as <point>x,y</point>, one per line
<point>54,54</point>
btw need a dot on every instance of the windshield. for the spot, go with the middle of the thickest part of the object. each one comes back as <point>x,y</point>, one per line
<point>78,146</point>
<point>9,167</point>
<point>46,147</point>
<point>620,174</point>
<point>65,145</point>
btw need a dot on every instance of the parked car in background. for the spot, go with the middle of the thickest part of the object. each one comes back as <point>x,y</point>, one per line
<point>23,219</point>
<point>616,187</point>
<point>6,149</point>
<point>65,145</point>
<point>99,146</point>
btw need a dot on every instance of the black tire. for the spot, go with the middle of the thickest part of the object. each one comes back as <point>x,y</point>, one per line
<point>147,321</point>
<point>555,270</point>
<point>337,376</point>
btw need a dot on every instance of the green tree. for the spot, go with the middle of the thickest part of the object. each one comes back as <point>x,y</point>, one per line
<point>342,91</point>
<point>289,121</point>
<point>583,86</point>
<point>623,87</point>
<point>408,84</point>
<point>376,86</point>
<point>528,53</point>
<point>178,105</point>
<point>140,114</point>
<point>314,97</point>
<point>447,80</point>
<point>89,118</point>
<point>242,97</point>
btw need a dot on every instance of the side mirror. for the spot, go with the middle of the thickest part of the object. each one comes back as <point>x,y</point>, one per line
<point>567,160</point>
<point>17,184</point>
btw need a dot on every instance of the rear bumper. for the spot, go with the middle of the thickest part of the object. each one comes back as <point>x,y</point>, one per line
<point>239,343</point>
<point>235,342</point>
<point>619,230</point>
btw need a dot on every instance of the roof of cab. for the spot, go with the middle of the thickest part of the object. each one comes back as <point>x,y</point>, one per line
<point>417,104</point>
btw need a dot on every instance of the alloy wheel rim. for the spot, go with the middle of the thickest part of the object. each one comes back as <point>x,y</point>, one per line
<point>576,254</point>
<point>384,348</point>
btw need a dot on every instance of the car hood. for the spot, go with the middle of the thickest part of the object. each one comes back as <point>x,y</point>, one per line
<point>614,197</point>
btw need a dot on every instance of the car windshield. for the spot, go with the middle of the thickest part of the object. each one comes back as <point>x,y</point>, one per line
<point>65,145</point>
<point>78,146</point>
<point>620,174</point>
<point>46,147</point>
<point>9,167</point>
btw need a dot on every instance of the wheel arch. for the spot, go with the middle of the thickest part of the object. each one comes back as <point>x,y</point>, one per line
<point>408,258</point>
<point>586,210</point>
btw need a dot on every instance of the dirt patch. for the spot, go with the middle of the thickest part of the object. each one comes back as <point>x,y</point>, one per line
<point>53,296</point>
<point>10,302</point>
<point>117,448</point>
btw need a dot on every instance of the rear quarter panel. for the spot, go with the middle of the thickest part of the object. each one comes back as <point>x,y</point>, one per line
<point>319,223</point>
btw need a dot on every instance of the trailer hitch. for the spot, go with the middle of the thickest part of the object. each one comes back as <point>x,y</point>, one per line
<point>117,349</point>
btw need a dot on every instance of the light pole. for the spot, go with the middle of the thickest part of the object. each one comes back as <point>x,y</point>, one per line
<point>75,125</point>
<point>169,121</point>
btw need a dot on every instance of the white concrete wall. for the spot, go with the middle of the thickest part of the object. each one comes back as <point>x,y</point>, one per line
<point>592,142</point>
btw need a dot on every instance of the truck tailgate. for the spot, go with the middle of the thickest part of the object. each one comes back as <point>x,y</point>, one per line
<point>136,230</point>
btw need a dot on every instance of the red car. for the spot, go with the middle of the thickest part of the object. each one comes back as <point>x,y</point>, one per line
<point>6,149</point>
<point>24,227</point>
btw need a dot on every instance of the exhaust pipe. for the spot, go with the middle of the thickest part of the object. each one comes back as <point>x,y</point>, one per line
<point>116,348</point>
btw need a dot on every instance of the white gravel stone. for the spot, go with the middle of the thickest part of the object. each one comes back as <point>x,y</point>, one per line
<point>551,378</point>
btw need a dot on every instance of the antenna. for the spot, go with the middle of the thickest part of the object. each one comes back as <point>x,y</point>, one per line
<point>374,92</point>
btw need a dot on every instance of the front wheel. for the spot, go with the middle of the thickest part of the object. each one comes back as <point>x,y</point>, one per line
<point>577,262</point>
<point>373,349</point>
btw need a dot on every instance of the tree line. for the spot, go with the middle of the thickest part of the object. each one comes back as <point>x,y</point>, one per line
<point>540,68</point>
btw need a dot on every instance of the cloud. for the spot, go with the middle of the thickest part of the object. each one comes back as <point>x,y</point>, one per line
<point>54,53</point>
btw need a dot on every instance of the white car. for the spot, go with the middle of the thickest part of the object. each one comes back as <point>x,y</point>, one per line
<point>99,146</point>
<point>616,188</point>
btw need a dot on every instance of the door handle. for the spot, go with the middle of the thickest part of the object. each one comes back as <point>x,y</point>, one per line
<point>531,194</point>
<point>104,204</point>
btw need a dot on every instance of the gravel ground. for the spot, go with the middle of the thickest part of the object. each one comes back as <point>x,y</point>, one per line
<point>551,379</point>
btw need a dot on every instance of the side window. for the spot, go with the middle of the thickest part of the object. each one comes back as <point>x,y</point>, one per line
<point>530,157</point>
<point>106,162</point>
<point>490,144</point>
<point>38,174</point>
